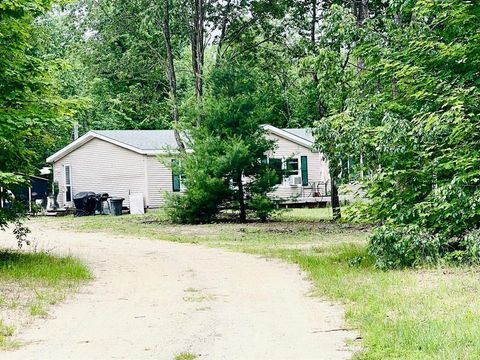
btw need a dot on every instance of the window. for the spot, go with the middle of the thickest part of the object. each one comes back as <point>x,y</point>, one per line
<point>276,165</point>
<point>291,167</point>
<point>284,168</point>
<point>68,183</point>
<point>175,176</point>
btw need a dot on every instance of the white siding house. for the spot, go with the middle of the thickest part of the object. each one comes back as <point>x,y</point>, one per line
<point>123,162</point>
<point>294,151</point>
<point>118,162</point>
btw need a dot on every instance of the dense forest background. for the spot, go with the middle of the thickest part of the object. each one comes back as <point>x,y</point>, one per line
<point>393,84</point>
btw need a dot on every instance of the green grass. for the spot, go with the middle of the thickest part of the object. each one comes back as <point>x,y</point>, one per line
<point>305,214</point>
<point>403,314</point>
<point>185,356</point>
<point>6,330</point>
<point>40,267</point>
<point>32,282</point>
<point>428,314</point>
<point>38,309</point>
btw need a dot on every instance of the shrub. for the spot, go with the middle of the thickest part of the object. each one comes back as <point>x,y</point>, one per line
<point>262,206</point>
<point>398,247</point>
<point>199,204</point>
<point>469,244</point>
<point>177,208</point>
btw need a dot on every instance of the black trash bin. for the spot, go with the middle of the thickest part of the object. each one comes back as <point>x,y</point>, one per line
<point>85,203</point>
<point>116,205</point>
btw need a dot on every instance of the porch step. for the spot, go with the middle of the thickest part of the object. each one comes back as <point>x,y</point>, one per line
<point>60,212</point>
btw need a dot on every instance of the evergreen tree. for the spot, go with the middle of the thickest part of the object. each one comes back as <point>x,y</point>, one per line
<point>226,167</point>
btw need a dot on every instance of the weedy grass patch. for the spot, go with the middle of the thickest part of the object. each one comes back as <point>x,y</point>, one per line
<point>41,266</point>
<point>30,283</point>
<point>6,331</point>
<point>186,356</point>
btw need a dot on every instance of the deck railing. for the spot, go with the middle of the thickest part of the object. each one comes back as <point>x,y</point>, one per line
<point>315,189</point>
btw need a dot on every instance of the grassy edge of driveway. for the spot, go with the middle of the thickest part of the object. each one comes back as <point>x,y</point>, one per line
<point>407,314</point>
<point>31,282</point>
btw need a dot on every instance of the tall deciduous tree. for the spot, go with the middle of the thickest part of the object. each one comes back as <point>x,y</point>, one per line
<point>330,62</point>
<point>172,77</point>
<point>421,110</point>
<point>197,41</point>
<point>119,59</point>
<point>30,105</point>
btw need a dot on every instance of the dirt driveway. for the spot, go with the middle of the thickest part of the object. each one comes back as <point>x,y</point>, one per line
<point>155,299</point>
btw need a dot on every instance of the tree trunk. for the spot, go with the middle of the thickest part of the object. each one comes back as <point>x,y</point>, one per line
<point>223,32</point>
<point>313,24</point>
<point>334,194</point>
<point>172,78</point>
<point>241,199</point>
<point>313,29</point>
<point>360,11</point>
<point>198,47</point>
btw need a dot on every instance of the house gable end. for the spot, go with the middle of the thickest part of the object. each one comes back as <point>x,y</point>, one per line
<point>85,139</point>
<point>308,145</point>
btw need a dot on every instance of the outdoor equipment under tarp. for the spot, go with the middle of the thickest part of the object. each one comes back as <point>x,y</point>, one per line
<point>85,203</point>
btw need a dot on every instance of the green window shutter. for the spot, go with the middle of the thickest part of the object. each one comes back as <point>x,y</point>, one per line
<point>175,176</point>
<point>304,166</point>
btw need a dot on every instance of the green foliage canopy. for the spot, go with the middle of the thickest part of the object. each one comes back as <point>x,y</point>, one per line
<point>30,105</point>
<point>419,118</point>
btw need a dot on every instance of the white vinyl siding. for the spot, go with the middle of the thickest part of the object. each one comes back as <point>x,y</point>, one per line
<point>100,166</point>
<point>159,180</point>
<point>317,166</point>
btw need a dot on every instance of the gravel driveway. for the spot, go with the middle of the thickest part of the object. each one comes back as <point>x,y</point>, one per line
<point>156,299</point>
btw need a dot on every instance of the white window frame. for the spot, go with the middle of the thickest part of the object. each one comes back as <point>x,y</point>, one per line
<point>292,157</point>
<point>285,181</point>
<point>70,185</point>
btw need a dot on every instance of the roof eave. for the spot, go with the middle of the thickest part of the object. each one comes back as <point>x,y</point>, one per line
<point>70,147</point>
<point>165,152</point>
<point>84,139</point>
<point>289,136</point>
<point>91,135</point>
